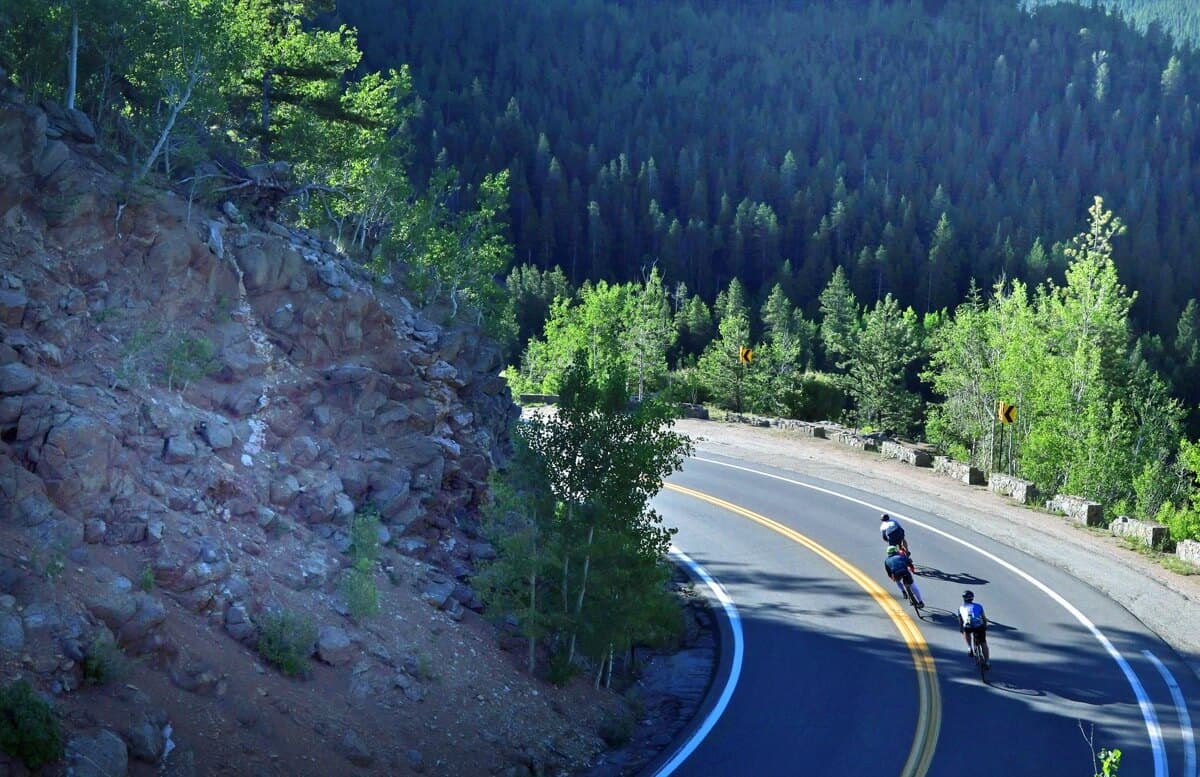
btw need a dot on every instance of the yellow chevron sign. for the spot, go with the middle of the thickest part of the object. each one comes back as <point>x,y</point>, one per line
<point>1006,413</point>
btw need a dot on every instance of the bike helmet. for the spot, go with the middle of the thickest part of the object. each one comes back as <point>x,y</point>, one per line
<point>968,596</point>
<point>893,550</point>
<point>885,517</point>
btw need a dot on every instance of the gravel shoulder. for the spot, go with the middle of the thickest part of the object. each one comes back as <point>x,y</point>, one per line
<point>1155,595</point>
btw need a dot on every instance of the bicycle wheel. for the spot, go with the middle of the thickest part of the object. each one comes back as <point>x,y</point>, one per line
<point>977,651</point>
<point>912,599</point>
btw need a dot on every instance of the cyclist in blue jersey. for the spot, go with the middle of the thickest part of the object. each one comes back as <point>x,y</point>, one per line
<point>893,532</point>
<point>899,570</point>
<point>972,620</point>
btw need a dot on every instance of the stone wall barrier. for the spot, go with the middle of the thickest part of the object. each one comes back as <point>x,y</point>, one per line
<point>965,473</point>
<point>1078,509</point>
<point>1148,533</point>
<point>905,453</point>
<point>749,420</point>
<point>1189,551</point>
<point>1024,491</point>
<point>803,428</point>
<point>853,440</point>
<point>691,410</point>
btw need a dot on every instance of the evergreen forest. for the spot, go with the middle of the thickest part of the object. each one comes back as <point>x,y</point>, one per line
<point>1181,20</point>
<point>917,145</point>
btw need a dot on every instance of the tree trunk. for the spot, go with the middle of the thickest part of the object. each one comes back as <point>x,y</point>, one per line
<point>180,104</point>
<point>587,563</point>
<point>264,138</point>
<point>532,614</point>
<point>73,60</point>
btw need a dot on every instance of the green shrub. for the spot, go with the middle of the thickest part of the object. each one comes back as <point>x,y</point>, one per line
<point>560,670</point>
<point>617,731</point>
<point>188,359</point>
<point>29,728</point>
<point>146,579</point>
<point>1184,522</point>
<point>104,663</point>
<point>364,534</point>
<point>816,396</point>
<point>360,591</point>
<point>286,640</point>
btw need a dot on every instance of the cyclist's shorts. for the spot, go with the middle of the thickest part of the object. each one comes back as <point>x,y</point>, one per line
<point>980,633</point>
<point>904,577</point>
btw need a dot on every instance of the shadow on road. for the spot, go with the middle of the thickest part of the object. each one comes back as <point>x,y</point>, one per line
<point>961,578</point>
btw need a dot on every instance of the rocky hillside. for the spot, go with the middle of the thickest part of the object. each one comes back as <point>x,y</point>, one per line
<point>192,409</point>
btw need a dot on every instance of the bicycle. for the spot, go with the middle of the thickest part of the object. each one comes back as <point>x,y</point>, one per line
<point>910,595</point>
<point>977,655</point>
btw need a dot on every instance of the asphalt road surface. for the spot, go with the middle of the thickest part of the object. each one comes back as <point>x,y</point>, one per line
<point>837,677</point>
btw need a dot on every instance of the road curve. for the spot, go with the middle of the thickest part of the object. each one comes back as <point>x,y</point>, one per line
<point>829,683</point>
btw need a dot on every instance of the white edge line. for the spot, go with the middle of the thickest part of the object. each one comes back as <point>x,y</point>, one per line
<point>735,623</point>
<point>1185,720</point>
<point>1148,715</point>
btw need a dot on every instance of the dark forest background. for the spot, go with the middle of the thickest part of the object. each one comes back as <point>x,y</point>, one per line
<point>916,144</point>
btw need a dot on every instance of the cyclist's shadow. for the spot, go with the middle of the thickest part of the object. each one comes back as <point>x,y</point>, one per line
<point>959,578</point>
<point>942,616</point>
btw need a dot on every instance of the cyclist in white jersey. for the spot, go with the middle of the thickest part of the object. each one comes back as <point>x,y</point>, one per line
<point>972,620</point>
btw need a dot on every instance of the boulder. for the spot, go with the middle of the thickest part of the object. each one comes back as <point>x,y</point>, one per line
<point>12,634</point>
<point>217,433</point>
<point>102,754</point>
<point>12,306</point>
<point>74,462</point>
<point>284,490</point>
<point>179,449</point>
<point>16,378</point>
<point>334,646</point>
<point>110,598</point>
<point>146,741</point>
<point>355,750</point>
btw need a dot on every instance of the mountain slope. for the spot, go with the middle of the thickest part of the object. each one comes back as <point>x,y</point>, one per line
<point>194,412</point>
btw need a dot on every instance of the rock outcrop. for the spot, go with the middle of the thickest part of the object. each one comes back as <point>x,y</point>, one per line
<point>209,403</point>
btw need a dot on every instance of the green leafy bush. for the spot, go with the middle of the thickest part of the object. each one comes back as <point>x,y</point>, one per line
<point>286,640</point>
<point>364,534</point>
<point>561,669</point>
<point>187,359</point>
<point>358,585</point>
<point>146,579</point>
<point>104,663</point>
<point>29,728</point>
<point>1184,522</point>
<point>816,397</point>
<point>362,596</point>
<point>617,731</point>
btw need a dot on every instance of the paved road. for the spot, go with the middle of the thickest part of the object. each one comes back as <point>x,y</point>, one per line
<point>829,686</point>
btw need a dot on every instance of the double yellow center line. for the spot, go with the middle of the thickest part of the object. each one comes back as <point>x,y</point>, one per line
<point>929,715</point>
